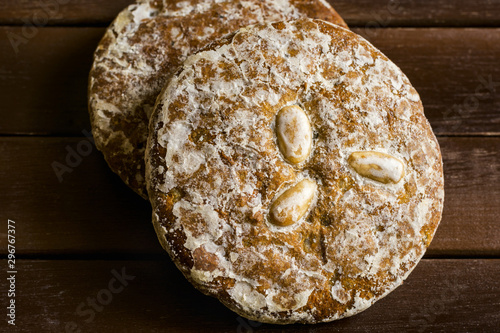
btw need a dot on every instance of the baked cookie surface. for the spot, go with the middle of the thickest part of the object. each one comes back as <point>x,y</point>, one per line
<point>292,172</point>
<point>145,45</point>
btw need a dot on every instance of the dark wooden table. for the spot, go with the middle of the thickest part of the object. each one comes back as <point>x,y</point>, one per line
<point>76,234</point>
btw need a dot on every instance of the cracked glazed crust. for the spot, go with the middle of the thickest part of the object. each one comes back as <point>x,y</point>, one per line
<point>214,168</point>
<point>145,45</point>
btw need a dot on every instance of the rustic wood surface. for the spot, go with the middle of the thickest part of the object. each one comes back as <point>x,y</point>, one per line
<point>71,233</point>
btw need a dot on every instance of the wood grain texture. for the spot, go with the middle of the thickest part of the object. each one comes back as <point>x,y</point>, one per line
<point>377,13</point>
<point>439,296</point>
<point>61,12</point>
<point>43,86</point>
<point>471,216</point>
<point>453,70</point>
<point>419,13</point>
<point>46,81</point>
<point>92,213</point>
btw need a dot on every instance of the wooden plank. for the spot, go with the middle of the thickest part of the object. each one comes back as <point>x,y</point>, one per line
<point>439,296</point>
<point>472,198</point>
<point>60,12</point>
<point>45,82</point>
<point>419,13</point>
<point>378,13</point>
<point>454,72</point>
<point>92,213</point>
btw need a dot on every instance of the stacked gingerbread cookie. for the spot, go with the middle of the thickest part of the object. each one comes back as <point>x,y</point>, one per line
<point>292,172</point>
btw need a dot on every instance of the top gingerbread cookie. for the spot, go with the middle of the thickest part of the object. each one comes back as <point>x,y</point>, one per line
<point>145,45</point>
<point>292,172</point>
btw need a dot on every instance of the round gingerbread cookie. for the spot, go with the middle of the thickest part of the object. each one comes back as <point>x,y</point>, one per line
<point>292,172</point>
<point>145,45</point>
